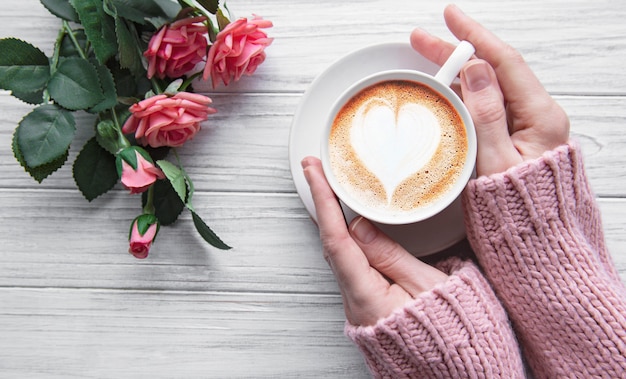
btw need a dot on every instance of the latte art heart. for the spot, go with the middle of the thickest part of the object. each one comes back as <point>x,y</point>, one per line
<point>395,147</point>
<point>394,141</point>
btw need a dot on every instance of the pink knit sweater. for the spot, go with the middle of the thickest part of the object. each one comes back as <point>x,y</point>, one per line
<point>546,287</point>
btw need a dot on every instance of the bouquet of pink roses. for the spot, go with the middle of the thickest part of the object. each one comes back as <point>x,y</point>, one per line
<point>131,63</point>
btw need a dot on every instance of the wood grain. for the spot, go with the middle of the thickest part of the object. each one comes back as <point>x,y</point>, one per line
<point>574,46</point>
<point>67,333</point>
<point>276,247</point>
<point>244,147</point>
<point>74,303</point>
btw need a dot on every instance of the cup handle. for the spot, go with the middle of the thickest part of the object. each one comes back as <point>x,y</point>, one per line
<point>449,71</point>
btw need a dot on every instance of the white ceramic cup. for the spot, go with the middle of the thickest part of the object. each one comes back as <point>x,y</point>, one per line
<point>440,83</point>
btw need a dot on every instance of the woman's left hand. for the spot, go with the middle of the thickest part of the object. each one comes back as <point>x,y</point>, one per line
<point>375,274</point>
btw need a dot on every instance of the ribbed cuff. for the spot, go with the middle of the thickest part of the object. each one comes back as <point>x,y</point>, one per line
<point>459,329</point>
<point>537,233</point>
<point>522,199</point>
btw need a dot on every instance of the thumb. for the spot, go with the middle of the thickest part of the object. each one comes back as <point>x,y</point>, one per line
<point>393,261</point>
<point>485,102</point>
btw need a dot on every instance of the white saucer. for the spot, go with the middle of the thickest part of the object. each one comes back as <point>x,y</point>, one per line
<point>422,238</point>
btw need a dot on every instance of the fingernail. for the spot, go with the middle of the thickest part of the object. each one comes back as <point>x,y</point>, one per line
<point>422,31</point>
<point>363,230</point>
<point>306,162</point>
<point>476,75</point>
<point>455,7</point>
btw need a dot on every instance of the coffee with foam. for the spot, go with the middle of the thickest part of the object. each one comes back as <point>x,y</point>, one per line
<point>397,146</point>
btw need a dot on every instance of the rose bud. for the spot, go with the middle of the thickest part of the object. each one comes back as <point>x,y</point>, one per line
<point>143,231</point>
<point>137,170</point>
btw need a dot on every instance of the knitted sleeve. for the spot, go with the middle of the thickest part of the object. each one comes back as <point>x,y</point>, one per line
<point>537,233</point>
<point>457,330</point>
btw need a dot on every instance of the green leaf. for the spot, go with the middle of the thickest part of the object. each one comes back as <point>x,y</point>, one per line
<point>44,135</point>
<point>99,27</point>
<point>157,153</point>
<point>127,41</point>
<point>173,87</point>
<point>222,20</point>
<point>210,5</point>
<point>23,67</point>
<point>167,204</point>
<point>128,49</point>
<point>41,172</point>
<point>107,84</point>
<point>192,190</point>
<point>176,177</point>
<point>208,234</point>
<point>140,11</point>
<point>68,49</point>
<point>106,135</point>
<point>128,155</point>
<point>144,222</point>
<point>75,85</point>
<point>124,81</point>
<point>61,9</point>
<point>170,8</point>
<point>94,170</point>
<point>29,97</point>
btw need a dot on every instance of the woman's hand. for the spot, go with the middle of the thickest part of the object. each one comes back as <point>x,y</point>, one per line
<point>374,273</point>
<point>515,117</point>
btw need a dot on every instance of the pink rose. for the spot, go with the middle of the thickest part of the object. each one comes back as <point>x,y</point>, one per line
<point>137,171</point>
<point>143,231</point>
<point>237,50</point>
<point>176,48</point>
<point>168,121</point>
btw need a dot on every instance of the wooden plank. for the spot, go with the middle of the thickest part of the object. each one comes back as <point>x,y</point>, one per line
<point>244,147</point>
<point>614,221</point>
<point>567,58</point>
<point>597,124</point>
<point>70,243</point>
<point>277,248</point>
<point>66,242</point>
<point>75,304</point>
<point>312,34</point>
<point>61,333</point>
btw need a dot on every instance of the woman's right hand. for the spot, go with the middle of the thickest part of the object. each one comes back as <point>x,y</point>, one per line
<point>515,117</point>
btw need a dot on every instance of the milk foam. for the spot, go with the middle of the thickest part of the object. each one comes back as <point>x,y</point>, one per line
<point>377,172</point>
<point>394,140</point>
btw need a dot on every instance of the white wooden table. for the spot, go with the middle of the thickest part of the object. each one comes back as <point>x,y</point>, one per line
<point>74,303</point>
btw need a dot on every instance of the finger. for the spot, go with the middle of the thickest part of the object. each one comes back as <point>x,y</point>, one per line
<point>431,47</point>
<point>345,258</point>
<point>516,78</point>
<point>485,102</point>
<point>532,111</point>
<point>393,261</point>
<point>434,49</point>
<point>330,217</point>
